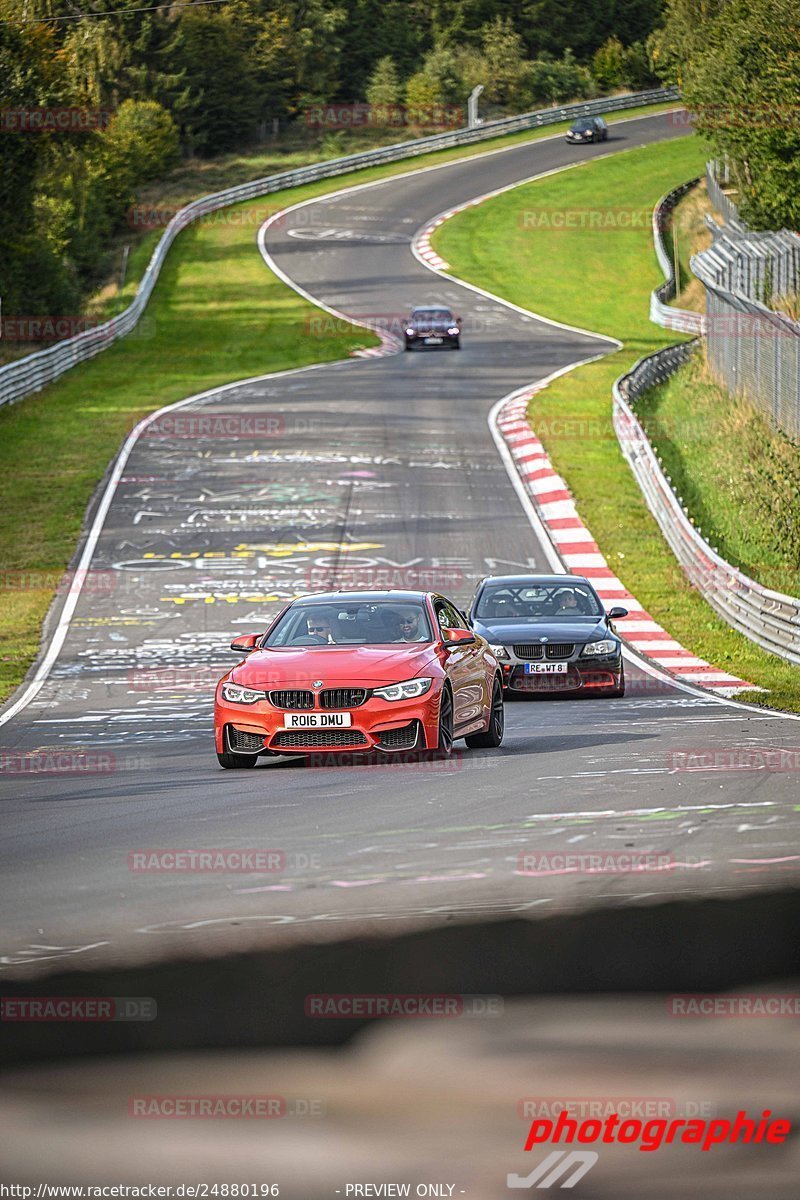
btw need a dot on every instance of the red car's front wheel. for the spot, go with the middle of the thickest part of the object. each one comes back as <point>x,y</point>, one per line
<point>493,734</point>
<point>444,747</point>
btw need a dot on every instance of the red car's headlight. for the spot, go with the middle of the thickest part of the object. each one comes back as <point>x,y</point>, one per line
<point>408,690</point>
<point>235,694</point>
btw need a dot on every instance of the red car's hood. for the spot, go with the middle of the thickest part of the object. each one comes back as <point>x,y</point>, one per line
<point>299,667</point>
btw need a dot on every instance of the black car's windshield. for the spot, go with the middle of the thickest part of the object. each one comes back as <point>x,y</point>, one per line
<point>581,126</point>
<point>432,314</point>
<point>356,623</point>
<point>537,602</point>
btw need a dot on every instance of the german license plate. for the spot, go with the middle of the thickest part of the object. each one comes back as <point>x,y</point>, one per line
<point>546,668</point>
<point>332,720</point>
<point>433,341</point>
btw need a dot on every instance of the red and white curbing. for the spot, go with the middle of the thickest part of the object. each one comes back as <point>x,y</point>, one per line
<point>580,554</point>
<point>389,345</point>
<point>422,243</point>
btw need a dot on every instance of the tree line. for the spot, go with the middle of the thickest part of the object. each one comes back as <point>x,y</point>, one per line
<point>737,63</point>
<point>209,78</point>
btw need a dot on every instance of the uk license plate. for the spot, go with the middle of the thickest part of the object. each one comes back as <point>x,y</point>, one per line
<point>546,668</point>
<point>332,720</point>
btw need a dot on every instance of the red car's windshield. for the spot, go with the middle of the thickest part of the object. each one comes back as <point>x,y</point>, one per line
<point>372,623</point>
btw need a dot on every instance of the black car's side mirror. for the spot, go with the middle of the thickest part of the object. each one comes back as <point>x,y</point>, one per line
<point>617,613</point>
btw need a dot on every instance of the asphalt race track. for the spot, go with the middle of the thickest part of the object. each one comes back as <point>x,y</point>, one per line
<point>383,464</point>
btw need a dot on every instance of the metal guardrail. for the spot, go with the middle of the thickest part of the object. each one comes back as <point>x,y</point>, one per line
<point>769,618</point>
<point>683,320</point>
<point>30,374</point>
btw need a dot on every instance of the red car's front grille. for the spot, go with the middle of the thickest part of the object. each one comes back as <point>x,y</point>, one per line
<point>292,698</point>
<point>317,739</point>
<point>342,697</point>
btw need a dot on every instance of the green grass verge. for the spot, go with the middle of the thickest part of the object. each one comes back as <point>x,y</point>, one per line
<point>217,314</point>
<point>739,478</point>
<point>601,280</point>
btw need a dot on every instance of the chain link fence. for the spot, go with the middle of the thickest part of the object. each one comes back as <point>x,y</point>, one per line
<point>751,349</point>
<point>768,618</point>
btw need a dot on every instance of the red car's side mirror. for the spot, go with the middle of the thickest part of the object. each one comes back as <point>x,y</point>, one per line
<point>453,638</point>
<point>246,643</point>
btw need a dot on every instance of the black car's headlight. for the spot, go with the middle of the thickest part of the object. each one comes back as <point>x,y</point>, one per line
<point>234,693</point>
<point>500,653</point>
<point>604,646</point>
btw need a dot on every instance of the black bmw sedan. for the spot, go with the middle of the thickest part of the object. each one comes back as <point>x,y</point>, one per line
<point>433,325</point>
<point>551,634</point>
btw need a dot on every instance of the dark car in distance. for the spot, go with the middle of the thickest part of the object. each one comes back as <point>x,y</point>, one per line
<point>588,129</point>
<point>433,325</point>
<point>550,634</point>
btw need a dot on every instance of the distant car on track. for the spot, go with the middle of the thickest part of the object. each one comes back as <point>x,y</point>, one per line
<point>359,672</point>
<point>587,129</point>
<point>433,325</point>
<point>550,634</point>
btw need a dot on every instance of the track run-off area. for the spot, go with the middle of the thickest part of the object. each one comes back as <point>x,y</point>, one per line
<point>390,463</point>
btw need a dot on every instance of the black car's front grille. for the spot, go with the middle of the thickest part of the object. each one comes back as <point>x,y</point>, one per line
<point>244,742</point>
<point>342,697</point>
<point>532,650</point>
<point>404,738</point>
<point>292,698</point>
<point>559,649</point>
<point>317,739</point>
<point>529,650</point>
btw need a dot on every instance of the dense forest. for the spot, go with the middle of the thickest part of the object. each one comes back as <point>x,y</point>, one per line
<point>136,85</point>
<point>737,63</point>
<point>152,83</point>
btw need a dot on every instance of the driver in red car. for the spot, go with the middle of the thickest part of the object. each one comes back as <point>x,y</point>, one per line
<point>319,623</point>
<point>410,626</point>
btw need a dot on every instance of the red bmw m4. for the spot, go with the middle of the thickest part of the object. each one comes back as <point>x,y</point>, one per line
<point>360,672</point>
